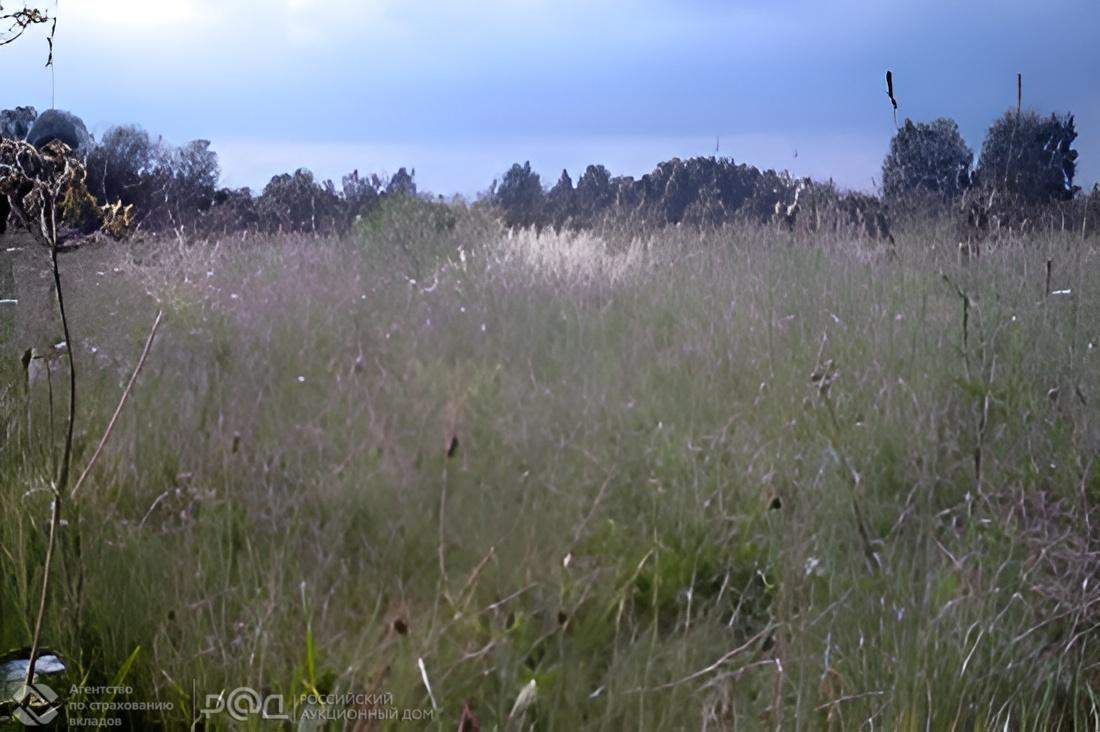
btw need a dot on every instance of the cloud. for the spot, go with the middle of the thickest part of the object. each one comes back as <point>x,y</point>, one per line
<point>124,17</point>
<point>532,77</point>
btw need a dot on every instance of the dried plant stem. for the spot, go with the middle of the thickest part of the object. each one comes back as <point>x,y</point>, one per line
<point>442,534</point>
<point>121,403</point>
<point>62,478</point>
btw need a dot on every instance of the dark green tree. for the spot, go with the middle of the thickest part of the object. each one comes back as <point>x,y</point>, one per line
<point>926,159</point>
<point>595,194</point>
<point>194,177</point>
<point>561,202</point>
<point>402,184</point>
<point>119,165</point>
<point>520,197</point>
<point>298,203</point>
<point>1030,157</point>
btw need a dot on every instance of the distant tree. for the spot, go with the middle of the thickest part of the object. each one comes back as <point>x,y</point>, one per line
<point>926,159</point>
<point>561,202</point>
<point>708,208</point>
<point>627,193</point>
<point>16,123</point>
<point>1030,157</point>
<point>769,188</point>
<point>298,203</point>
<point>361,194</point>
<point>168,186</point>
<point>519,197</point>
<point>402,184</point>
<point>120,164</point>
<point>192,179</point>
<point>595,194</point>
<point>234,210</point>
<point>681,190</point>
<point>699,191</point>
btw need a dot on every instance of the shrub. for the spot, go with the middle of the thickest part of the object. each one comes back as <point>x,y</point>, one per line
<point>409,236</point>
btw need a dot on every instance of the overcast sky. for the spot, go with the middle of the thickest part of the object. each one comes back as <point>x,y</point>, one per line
<point>460,90</point>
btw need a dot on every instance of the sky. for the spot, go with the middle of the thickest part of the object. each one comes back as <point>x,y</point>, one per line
<point>461,90</point>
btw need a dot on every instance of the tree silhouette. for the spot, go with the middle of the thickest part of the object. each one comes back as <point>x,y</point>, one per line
<point>520,197</point>
<point>561,202</point>
<point>927,158</point>
<point>1030,157</point>
<point>595,194</point>
<point>402,184</point>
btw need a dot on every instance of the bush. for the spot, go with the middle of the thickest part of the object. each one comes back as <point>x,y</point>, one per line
<point>1030,158</point>
<point>409,236</point>
<point>927,160</point>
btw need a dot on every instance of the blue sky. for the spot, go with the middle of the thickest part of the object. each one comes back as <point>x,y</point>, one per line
<point>460,90</point>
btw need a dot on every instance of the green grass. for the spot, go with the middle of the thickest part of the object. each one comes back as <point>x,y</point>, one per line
<point>646,478</point>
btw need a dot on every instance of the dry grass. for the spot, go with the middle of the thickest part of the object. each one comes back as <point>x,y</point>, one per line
<point>592,463</point>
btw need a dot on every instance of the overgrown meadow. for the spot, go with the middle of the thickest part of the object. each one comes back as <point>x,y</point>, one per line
<point>741,479</point>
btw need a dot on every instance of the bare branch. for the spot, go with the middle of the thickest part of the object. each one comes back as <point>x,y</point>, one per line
<point>16,23</point>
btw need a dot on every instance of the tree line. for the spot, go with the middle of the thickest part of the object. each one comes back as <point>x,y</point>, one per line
<point>1027,165</point>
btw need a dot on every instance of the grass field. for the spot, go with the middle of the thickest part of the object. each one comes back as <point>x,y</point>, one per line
<point>735,480</point>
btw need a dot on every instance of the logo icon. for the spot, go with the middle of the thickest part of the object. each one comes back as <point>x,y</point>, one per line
<point>244,702</point>
<point>36,705</point>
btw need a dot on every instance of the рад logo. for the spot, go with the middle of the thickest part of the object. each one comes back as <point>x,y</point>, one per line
<point>36,705</point>
<point>244,702</point>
